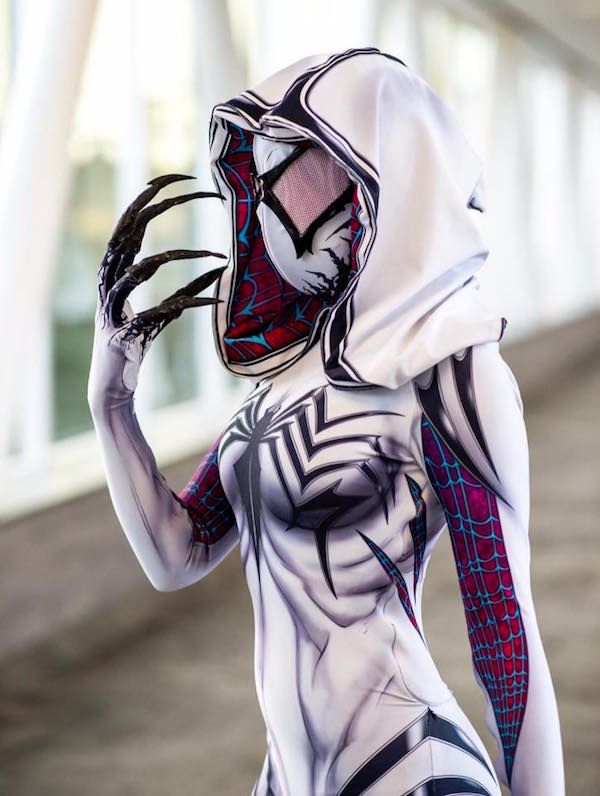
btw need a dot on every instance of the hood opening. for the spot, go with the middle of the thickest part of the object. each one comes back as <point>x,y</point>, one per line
<point>266,314</point>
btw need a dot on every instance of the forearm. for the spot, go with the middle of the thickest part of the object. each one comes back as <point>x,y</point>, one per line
<point>509,660</point>
<point>538,768</point>
<point>538,765</point>
<point>169,536</point>
<point>156,523</point>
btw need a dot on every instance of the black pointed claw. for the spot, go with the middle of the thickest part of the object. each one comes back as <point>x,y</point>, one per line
<point>123,245</point>
<point>169,309</point>
<point>126,239</point>
<point>141,201</point>
<point>172,307</point>
<point>200,283</point>
<point>166,179</point>
<point>149,265</point>
<point>152,321</point>
<point>142,271</point>
<point>181,303</point>
<point>133,243</point>
<point>159,207</point>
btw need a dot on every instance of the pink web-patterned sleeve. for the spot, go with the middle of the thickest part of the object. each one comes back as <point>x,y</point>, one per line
<point>473,447</point>
<point>493,615</point>
<point>205,500</point>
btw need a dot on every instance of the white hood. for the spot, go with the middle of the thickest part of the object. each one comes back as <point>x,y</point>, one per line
<point>412,298</point>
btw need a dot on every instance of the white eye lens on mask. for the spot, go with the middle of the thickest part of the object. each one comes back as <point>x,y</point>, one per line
<point>304,204</point>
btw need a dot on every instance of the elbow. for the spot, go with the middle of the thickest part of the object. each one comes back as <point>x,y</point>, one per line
<point>165,584</point>
<point>165,580</point>
<point>161,584</point>
<point>180,577</point>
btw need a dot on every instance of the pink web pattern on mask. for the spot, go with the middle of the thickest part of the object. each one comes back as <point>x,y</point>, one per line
<point>267,314</point>
<point>309,185</point>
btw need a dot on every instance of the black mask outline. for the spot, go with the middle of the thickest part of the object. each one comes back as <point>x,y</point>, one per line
<point>263,188</point>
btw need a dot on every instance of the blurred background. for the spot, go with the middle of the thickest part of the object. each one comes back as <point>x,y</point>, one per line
<point>106,686</point>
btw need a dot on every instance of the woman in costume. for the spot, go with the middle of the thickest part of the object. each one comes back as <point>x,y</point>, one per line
<point>381,415</point>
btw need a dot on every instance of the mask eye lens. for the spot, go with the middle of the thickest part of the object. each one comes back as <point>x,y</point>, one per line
<point>304,191</point>
<point>309,186</point>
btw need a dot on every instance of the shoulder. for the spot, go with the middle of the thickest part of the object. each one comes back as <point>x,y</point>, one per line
<point>470,403</point>
<point>469,382</point>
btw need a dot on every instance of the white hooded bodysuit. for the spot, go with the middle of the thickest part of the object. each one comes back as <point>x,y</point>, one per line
<point>382,415</point>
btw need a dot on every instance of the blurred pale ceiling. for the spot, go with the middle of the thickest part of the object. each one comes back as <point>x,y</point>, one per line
<point>574,24</point>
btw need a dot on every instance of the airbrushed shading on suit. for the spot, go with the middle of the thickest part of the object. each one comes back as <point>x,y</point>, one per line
<point>381,415</point>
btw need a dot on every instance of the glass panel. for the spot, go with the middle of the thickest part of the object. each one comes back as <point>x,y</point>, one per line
<point>438,27</point>
<point>89,216</point>
<point>588,174</point>
<point>157,64</point>
<point>459,60</point>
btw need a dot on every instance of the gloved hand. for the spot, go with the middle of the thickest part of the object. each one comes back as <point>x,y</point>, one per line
<point>121,337</point>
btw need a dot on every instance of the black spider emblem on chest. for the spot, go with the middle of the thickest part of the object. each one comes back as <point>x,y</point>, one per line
<point>273,428</point>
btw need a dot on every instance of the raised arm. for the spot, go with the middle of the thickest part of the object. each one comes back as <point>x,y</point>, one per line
<point>177,538</point>
<point>472,444</point>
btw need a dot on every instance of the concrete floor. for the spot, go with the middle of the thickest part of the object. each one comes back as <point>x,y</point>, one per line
<point>156,696</point>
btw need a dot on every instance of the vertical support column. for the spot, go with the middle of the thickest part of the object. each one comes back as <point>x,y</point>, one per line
<point>510,276</point>
<point>575,265</point>
<point>589,178</point>
<point>34,171</point>
<point>582,174</point>
<point>131,177</point>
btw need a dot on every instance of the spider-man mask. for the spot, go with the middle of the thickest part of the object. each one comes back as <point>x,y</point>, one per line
<point>303,206</point>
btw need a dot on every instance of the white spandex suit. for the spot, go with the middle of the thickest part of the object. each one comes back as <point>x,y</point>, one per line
<point>381,415</point>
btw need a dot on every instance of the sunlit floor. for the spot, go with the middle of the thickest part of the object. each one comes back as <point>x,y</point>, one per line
<point>166,705</point>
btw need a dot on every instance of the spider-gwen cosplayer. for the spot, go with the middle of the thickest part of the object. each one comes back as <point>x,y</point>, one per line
<point>381,415</point>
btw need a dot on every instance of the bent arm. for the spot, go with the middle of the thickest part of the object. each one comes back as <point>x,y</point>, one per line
<point>178,539</point>
<point>473,447</point>
<point>160,528</point>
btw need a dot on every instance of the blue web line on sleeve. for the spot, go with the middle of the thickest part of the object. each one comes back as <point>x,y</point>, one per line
<point>494,622</point>
<point>206,502</point>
